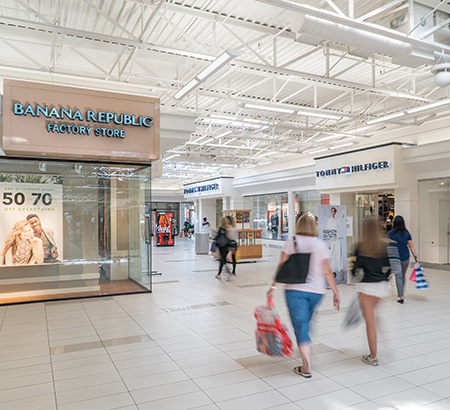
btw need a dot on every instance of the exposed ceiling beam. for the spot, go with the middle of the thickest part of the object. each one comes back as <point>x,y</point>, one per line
<point>371,28</point>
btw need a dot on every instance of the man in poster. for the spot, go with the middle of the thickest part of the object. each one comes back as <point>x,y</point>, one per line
<point>47,237</point>
<point>334,234</point>
<point>334,244</point>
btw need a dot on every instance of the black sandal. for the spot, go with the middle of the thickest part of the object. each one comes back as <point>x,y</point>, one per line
<point>298,370</point>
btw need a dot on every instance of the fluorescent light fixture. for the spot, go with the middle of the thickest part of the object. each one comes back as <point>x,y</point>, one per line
<point>428,106</point>
<point>330,137</point>
<point>224,134</point>
<point>316,151</point>
<point>172,156</point>
<point>207,141</point>
<point>293,110</point>
<point>386,118</point>
<point>319,114</point>
<point>191,85</point>
<point>267,108</point>
<point>209,71</point>
<point>342,145</point>
<point>218,63</point>
<point>265,163</point>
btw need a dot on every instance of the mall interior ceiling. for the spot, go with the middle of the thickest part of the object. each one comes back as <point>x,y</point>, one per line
<point>245,86</point>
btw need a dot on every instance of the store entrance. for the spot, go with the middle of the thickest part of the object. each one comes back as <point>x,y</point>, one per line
<point>374,203</point>
<point>434,222</point>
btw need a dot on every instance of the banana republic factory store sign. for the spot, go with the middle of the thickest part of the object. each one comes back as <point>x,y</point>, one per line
<point>71,123</point>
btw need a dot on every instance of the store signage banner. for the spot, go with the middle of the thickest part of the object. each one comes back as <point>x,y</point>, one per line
<point>205,188</point>
<point>333,231</point>
<point>31,219</point>
<point>66,122</point>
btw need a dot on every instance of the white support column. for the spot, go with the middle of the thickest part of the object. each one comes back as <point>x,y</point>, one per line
<point>291,213</point>
<point>226,203</point>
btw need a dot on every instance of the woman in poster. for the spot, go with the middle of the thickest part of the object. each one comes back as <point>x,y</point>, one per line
<point>21,247</point>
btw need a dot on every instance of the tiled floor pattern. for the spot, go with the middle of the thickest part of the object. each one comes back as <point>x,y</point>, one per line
<point>190,345</point>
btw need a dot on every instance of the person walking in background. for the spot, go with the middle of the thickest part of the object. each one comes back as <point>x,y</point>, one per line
<point>376,260</point>
<point>303,298</point>
<point>403,241</point>
<point>205,225</point>
<point>232,235</point>
<point>222,242</point>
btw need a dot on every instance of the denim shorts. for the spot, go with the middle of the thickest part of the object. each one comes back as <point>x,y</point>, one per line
<point>301,307</point>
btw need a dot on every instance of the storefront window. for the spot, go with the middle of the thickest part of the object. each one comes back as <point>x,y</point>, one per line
<point>306,201</point>
<point>72,229</point>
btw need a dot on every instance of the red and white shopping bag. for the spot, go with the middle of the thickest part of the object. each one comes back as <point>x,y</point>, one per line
<point>272,337</point>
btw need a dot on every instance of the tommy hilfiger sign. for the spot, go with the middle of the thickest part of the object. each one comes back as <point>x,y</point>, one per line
<point>371,166</point>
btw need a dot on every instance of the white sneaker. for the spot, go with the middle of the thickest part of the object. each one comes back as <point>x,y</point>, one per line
<point>366,359</point>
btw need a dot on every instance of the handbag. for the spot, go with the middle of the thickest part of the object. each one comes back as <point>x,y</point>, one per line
<point>295,269</point>
<point>271,335</point>
<point>221,238</point>
<point>354,314</point>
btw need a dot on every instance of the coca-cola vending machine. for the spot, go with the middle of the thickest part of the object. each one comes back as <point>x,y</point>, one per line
<point>163,234</point>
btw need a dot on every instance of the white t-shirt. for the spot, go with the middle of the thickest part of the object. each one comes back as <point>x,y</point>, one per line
<point>315,281</point>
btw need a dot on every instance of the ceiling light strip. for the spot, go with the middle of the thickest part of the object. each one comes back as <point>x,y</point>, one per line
<point>209,71</point>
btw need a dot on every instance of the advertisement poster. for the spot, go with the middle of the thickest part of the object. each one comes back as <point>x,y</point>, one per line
<point>31,219</point>
<point>163,235</point>
<point>333,231</point>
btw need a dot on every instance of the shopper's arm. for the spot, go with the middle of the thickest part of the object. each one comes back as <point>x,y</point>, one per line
<point>332,282</point>
<point>413,250</point>
<point>283,259</point>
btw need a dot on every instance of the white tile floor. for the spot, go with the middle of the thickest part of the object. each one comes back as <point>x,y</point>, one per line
<point>190,345</point>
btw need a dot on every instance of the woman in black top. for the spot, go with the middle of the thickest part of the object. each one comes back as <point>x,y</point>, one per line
<point>376,259</point>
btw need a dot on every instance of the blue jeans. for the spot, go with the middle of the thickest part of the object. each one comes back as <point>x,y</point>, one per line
<point>301,307</point>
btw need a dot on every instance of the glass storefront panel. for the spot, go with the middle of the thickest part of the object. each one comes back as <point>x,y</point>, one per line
<point>87,236</point>
<point>434,224</point>
<point>270,212</point>
<point>306,201</point>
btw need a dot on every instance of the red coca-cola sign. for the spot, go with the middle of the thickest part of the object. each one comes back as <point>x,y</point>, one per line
<point>163,234</point>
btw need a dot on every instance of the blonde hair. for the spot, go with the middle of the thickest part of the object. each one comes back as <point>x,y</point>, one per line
<point>224,222</point>
<point>306,225</point>
<point>372,243</point>
<point>12,239</point>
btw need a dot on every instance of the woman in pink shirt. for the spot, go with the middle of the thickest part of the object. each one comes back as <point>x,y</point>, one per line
<point>302,298</point>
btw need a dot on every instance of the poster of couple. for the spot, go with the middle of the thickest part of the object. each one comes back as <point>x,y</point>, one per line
<point>31,229</point>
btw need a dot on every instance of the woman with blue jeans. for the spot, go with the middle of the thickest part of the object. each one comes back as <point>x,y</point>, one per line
<point>403,241</point>
<point>303,298</point>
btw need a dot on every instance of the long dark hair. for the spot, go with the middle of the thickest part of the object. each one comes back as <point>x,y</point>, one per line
<point>399,225</point>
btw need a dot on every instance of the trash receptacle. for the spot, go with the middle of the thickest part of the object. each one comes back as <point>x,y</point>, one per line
<point>202,243</point>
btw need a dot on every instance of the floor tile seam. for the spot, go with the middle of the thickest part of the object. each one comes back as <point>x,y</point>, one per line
<point>25,398</point>
<point>428,365</point>
<point>77,388</point>
<point>112,362</point>
<point>96,397</point>
<point>50,356</point>
<point>24,387</point>
<point>172,395</point>
<point>384,394</point>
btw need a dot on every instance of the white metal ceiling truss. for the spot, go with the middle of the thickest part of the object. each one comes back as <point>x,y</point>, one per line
<point>156,47</point>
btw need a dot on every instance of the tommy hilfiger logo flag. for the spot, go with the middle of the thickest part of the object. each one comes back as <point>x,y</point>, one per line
<point>351,169</point>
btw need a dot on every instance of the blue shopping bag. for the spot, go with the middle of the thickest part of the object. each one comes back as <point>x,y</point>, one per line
<point>421,280</point>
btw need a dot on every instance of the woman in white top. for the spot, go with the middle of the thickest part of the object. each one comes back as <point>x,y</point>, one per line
<point>302,298</point>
